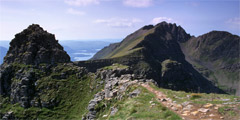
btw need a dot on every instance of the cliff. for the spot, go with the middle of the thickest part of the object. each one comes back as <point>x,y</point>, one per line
<point>34,46</point>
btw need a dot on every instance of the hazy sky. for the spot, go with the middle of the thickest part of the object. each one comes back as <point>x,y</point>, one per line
<point>114,19</point>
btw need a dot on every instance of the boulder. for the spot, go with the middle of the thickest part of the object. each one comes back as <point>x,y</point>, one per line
<point>134,93</point>
<point>8,116</point>
<point>113,111</point>
<point>203,110</point>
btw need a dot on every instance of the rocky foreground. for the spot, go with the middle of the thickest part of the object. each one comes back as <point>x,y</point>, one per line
<point>118,81</point>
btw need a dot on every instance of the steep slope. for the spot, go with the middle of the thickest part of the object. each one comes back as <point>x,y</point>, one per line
<point>134,41</point>
<point>126,46</point>
<point>157,54</point>
<point>216,56</point>
<point>34,46</point>
<point>103,53</point>
<point>36,84</point>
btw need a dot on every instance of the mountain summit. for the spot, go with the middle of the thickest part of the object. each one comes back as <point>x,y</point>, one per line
<point>33,46</point>
<point>177,60</point>
<point>146,37</point>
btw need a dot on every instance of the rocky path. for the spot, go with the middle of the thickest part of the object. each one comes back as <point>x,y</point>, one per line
<point>187,110</point>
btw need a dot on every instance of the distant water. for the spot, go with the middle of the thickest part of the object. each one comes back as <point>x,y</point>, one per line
<point>78,56</point>
<point>83,50</point>
<point>84,55</point>
<point>77,50</point>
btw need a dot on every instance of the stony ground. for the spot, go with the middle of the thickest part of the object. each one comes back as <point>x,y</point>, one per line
<point>192,111</point>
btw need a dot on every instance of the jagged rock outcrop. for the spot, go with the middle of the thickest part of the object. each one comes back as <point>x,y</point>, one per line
<point>21,70</point>
<point>38,87</point>
<point>6,75</point>
<point>21,84</point>
<point>111,80</point>
<point>116,83</point>
<point>23,91</point>
<point>34,46</point>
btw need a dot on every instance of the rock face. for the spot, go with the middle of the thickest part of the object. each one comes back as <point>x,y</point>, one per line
<point>21,68</point>
<point>111,79</point>
<point>23,91</point>
<point>21,83</point>
<point>34,46</point>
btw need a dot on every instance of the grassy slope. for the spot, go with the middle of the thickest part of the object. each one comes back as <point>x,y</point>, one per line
<point>137,108</point>
<point>115,66</point>
<point>199,52</point>
<point>181,96</point>
<point>73,93</point>
<point>227,110</point>
<point>223,79</point>
<point>126,46</point>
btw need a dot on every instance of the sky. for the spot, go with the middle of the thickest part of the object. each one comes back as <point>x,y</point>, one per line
<point>115,19</point>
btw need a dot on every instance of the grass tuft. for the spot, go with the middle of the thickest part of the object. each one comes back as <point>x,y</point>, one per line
<point>195,96</point>
<point>115,66</point>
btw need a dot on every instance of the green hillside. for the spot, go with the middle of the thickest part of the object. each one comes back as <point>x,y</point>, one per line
<point>213,56</point>
<point>216,56</point>
<point>126,46</point>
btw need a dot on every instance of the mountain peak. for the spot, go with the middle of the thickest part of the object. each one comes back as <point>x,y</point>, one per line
<point>164,23</point>
<point>35,27</point>
<point>146,37</point>
<point>147,27</point>
<point>173,29</point>
<point>34,45</point>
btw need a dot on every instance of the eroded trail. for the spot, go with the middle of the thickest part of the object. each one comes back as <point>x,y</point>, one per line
<point>187,110</point>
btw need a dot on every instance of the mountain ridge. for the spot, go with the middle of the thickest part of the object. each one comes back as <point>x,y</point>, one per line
<point>176,36</point>
<point>38,80</point>
<point>217,52</point>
